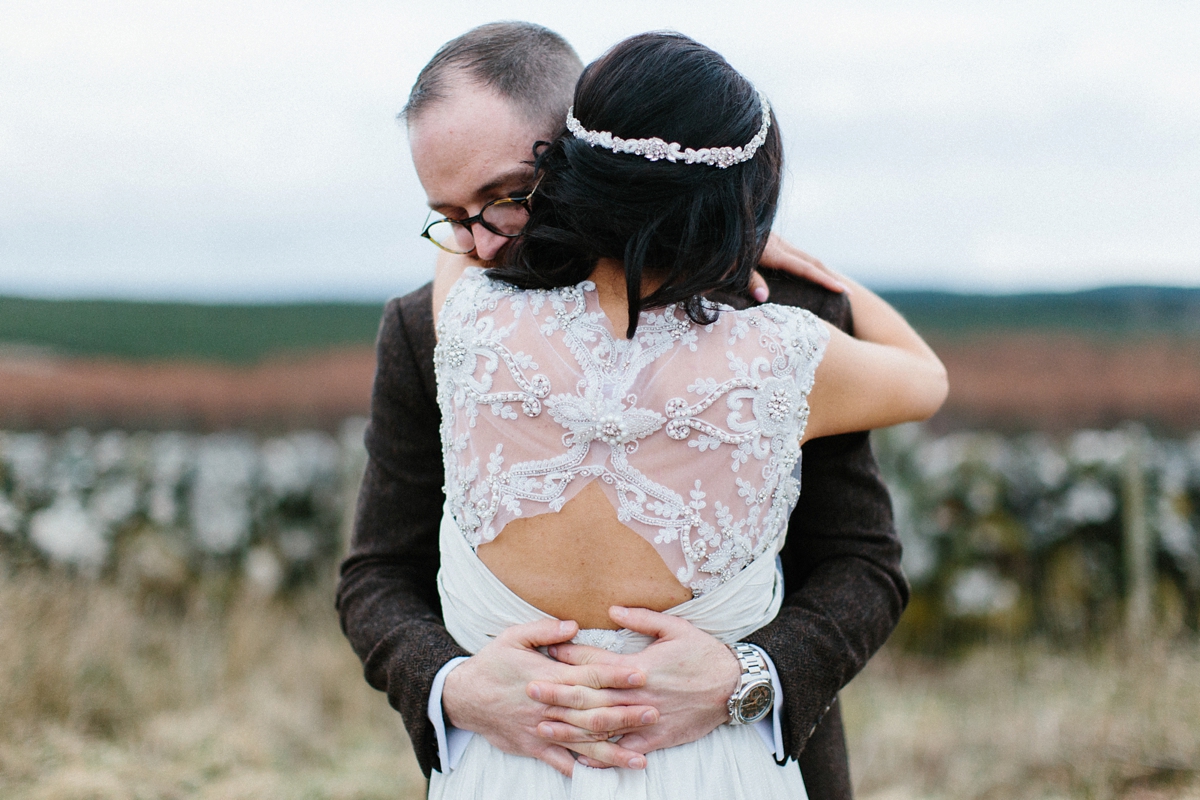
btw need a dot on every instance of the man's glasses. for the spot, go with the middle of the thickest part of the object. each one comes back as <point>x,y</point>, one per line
<point>504,216</point>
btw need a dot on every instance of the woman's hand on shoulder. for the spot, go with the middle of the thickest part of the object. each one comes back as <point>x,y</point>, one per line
<point>786,257</point>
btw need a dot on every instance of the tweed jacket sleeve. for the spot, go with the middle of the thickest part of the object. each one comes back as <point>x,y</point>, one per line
<point>387,596</point>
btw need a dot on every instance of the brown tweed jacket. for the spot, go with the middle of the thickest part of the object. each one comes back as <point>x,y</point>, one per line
<point>845,589</point>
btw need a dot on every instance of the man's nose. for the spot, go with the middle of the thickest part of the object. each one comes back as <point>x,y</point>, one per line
<point>487,244</point>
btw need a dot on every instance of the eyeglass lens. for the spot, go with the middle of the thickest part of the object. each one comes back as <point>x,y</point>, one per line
<point>451,236</point>
<point>505,216</point>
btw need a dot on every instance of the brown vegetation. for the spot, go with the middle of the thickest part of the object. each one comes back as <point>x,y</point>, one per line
<point>1011,721</point>
<point>1060,382</point>
<point>317,390</point>
<point>1048,381</point>
<point>108,695</point>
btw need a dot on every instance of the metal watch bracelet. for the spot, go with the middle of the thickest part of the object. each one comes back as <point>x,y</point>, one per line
<point>755,695</point>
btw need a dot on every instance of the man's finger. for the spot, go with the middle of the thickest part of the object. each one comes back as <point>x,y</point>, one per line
<point>651,623</point>
<point>611,719</point>
<point>788,262</point>
<point>568,735</point>
<point>610,753</point>
<point>581,654</point>
<point>602,676</point>
<point>571,696</point>
<point>559,758</point>
<point>637,742</point>
<point>539,634</point>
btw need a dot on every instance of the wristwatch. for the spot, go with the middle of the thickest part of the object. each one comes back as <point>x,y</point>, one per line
<point>755,695</point>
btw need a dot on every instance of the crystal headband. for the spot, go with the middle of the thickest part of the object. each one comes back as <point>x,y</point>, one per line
<point>655,148</point>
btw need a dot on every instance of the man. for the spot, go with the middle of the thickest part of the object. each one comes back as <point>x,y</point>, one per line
<point>473,118</point>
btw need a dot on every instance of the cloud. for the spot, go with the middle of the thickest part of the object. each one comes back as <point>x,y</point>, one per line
<point>250,150</point>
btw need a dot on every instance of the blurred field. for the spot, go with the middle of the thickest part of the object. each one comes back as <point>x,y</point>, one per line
<point>247,333</point>
<point>1049,381</point>
<point>1009,721</point>
<point>107,695</point>
<point>42,392</point>
<point>1020,362</point>
<point>103,695</point>
<point>143,655</point>
<point>1114,312</point>
<point>220,333</point>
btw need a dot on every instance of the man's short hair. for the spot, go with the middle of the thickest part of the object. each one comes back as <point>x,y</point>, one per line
<point>526,63</point>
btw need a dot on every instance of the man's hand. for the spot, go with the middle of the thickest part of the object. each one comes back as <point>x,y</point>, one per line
<point>491,694</point>
<point>785,257</point>
<point>690,677</point>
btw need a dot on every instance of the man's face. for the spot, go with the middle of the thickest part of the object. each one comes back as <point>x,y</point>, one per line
<point>471,148</point>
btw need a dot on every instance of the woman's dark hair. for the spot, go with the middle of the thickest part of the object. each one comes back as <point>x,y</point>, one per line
<point>696,227</point>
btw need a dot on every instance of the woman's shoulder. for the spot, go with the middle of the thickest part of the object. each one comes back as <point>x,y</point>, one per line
<point>796,327</point>
<point>786,342</point>
<point>477,292</point>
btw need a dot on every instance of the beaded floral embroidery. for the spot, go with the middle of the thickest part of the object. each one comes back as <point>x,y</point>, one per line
<point>693,430</point>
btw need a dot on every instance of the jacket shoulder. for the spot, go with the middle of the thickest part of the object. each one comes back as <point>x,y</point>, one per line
<point>404,353</point>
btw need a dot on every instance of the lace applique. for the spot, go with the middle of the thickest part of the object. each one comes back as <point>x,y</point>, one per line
<point>612,641</point>
<point>539,398</point>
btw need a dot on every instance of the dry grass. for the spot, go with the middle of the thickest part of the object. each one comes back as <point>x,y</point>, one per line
<point>102,697</point>
<point>1005,722</point>
<point>107,695</point>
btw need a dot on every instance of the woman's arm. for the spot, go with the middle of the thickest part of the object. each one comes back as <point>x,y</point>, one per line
<point>885,376</point>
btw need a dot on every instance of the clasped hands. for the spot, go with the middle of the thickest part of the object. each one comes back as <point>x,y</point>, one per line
<point>575,704</point>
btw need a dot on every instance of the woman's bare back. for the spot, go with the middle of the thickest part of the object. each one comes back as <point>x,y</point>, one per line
<point>576,563</point>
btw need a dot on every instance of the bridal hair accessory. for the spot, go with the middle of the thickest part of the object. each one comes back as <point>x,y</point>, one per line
<point>655,148</point>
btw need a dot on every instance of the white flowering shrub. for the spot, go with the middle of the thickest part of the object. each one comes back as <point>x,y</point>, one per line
<point>1013,534</point>
<point>1002,534</point>
<point>162,510</point>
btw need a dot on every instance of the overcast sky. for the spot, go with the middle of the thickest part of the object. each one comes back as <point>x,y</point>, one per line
<point>249,150</point>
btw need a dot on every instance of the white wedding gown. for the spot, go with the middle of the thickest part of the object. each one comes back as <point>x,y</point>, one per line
<point>538,399</point>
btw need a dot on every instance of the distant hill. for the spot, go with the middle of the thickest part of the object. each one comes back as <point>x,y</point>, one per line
<point>241,334</point>
<point>155,331</point>
<point>1109,312</point>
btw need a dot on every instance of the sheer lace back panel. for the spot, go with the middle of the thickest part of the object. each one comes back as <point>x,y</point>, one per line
<point>693,430</point>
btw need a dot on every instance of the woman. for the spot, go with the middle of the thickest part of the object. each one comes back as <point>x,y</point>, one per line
<point>610,437</point>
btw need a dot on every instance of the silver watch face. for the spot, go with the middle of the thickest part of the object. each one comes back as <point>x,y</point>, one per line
<point>756,702</point>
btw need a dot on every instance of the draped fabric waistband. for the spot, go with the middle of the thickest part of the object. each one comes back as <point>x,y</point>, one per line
<point>477,607</point>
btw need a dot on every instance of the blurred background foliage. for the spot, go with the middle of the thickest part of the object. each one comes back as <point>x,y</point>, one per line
<point>1021,534</point>
<point>1004,536</point>
<point>162,512</point>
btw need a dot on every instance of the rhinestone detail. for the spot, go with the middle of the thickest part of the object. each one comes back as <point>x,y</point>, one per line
<point>656,149</point>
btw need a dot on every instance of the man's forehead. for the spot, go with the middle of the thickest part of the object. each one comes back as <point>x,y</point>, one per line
<point>485,187</point>
<point>470,144</point>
